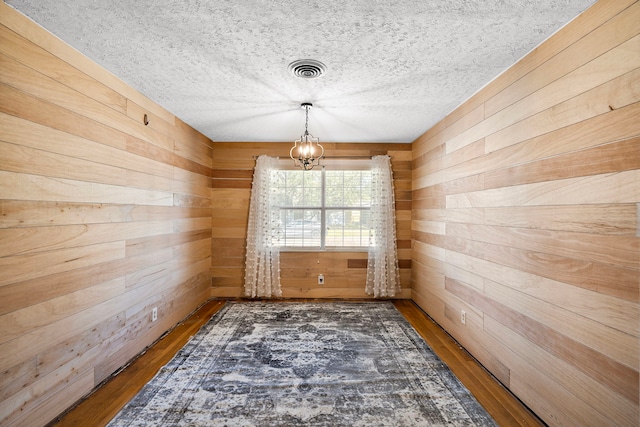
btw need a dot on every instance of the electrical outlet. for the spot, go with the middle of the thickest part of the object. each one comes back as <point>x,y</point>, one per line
<point>154,314</point>
<point>320,279</point>
<point>463,317</point>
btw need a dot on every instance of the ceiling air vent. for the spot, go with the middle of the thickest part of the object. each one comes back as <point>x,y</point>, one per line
<point>307,68</point>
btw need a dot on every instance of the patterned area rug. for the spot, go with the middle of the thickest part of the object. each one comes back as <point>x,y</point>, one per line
<point>305,364</point>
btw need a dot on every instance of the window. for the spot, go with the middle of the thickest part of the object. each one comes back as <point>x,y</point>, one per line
<point>322,208</point>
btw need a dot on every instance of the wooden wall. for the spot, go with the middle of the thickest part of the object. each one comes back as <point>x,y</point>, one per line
<point>101,219</point>
<point>521,208</point>
<point>345,272</point>
<point>525,215</point>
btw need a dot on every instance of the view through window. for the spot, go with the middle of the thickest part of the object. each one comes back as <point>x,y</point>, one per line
<point>322,208</point>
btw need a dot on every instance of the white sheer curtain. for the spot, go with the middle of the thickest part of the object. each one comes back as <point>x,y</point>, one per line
<point>262,274</point>
<point>383,277</point>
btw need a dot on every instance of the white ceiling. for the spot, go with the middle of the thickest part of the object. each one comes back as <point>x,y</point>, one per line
<point>394,68</point>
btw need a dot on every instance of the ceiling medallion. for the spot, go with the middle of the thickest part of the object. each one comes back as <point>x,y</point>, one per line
<point>307,68</point>
<point>306,151</point>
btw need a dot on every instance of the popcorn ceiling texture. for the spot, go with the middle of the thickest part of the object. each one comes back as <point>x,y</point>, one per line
<point>394,68</point>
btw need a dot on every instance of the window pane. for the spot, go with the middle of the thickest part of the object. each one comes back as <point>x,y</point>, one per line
<point>278,178</point>
<point>297,188</point>
<point>313,197</point>
<point>335,179</point>
<point>352,178</point>
<point>334,189</point>
<point>366,196</point>
<point>300,227</point>
<point>295,196</point>
<point>334,196</point>
<point>348,188</point>
<point>312,178</point>
<point>352,196</point>
<point>347,227</point>
<point>294,178</point>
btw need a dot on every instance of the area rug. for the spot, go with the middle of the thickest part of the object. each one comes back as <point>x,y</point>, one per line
<point>305,364</point>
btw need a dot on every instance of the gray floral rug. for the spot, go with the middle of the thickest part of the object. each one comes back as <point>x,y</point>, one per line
<point>305,364</point>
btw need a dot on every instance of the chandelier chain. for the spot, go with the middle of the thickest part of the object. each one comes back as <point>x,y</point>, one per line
<point>306,123</point>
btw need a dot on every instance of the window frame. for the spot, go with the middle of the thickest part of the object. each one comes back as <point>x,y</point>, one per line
<point>327,164</point>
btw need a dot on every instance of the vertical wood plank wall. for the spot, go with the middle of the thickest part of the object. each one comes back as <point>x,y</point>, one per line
<point>344,272</point>
<point>101,219</point>
<point>525,207</point>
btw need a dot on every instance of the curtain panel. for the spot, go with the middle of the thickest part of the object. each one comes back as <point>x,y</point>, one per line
<point>383,276</point>
<point>262,273</point>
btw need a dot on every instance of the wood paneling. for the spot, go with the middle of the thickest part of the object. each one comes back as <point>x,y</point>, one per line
<point>345,272</point>
<point>520,208</point>
<point>525,216</point>
<point>101,219</point>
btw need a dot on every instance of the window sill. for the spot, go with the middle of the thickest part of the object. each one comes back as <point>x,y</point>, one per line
<point>318,249</point>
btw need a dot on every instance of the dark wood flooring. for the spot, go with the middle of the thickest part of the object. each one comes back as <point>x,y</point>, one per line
<point>102,405</point>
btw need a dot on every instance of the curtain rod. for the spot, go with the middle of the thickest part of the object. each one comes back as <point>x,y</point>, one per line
<point>337,157</point>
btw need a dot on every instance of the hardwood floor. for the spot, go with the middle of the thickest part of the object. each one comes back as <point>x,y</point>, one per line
<point>99,408</point>
<point>496,399</point>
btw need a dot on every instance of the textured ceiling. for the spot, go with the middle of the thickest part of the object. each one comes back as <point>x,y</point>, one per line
<point>394,68</point>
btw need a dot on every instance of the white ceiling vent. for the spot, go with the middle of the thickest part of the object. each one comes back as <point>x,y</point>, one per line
<point>307,68</point>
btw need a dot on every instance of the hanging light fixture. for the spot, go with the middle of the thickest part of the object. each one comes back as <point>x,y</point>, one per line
<point>306,151</point>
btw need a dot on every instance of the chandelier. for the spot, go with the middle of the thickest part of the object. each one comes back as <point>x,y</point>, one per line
<point>306,151</point>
